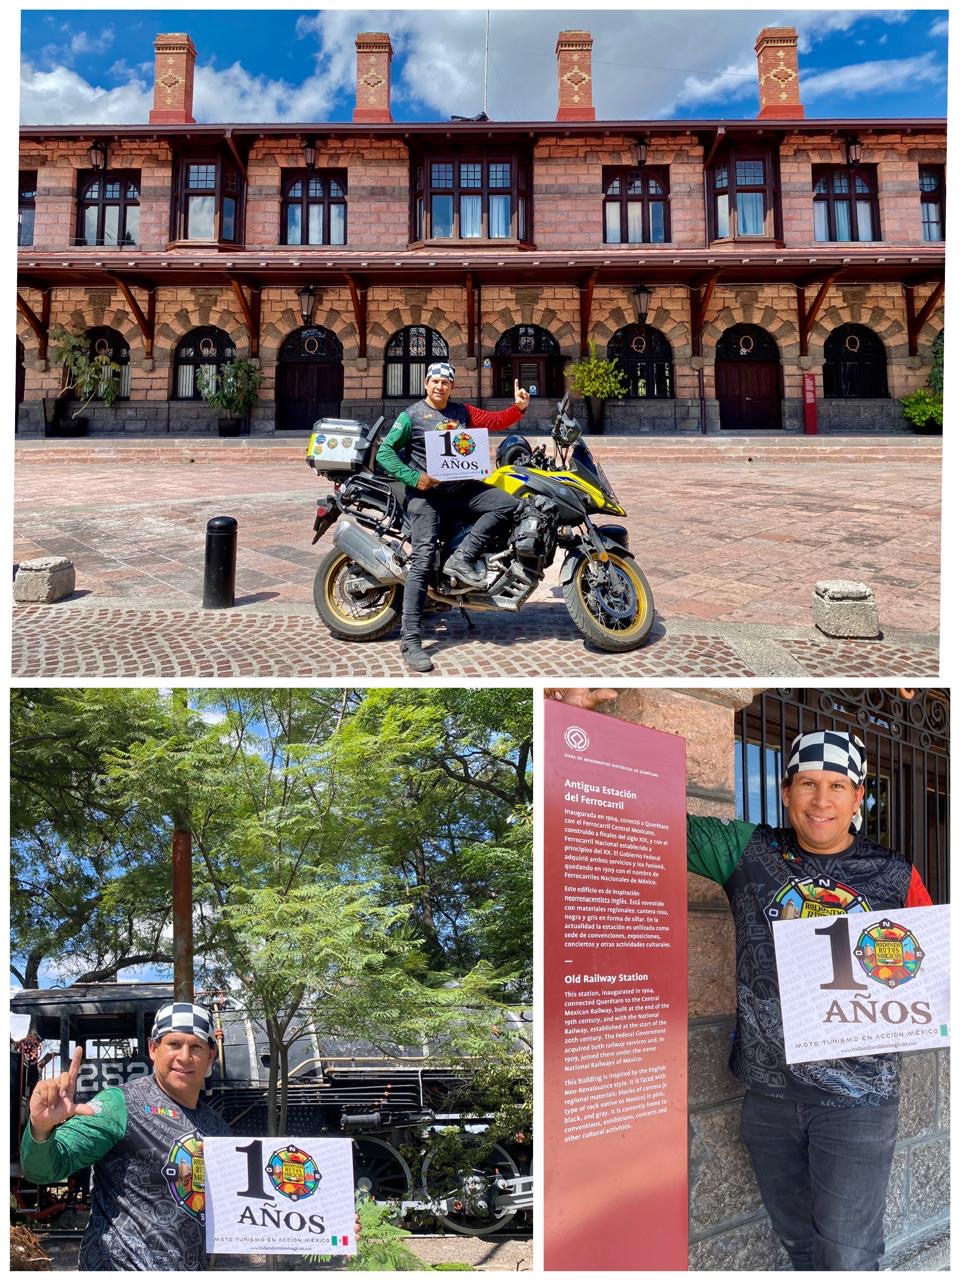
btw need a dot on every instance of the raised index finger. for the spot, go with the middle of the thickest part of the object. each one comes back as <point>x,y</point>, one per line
<point>74,1070</point>
<point>516,386</point>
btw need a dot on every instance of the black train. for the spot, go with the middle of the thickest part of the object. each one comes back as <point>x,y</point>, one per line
<point>400,1111</point>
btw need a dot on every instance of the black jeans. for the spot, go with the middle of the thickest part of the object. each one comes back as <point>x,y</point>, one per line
<point>823,1174</point>
<point>428,510</point>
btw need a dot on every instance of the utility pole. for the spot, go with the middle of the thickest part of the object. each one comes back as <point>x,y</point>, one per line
<point>486,62</point>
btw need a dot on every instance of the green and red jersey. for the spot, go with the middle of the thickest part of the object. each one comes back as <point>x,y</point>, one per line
<point>403,454</point>
<point>768,877</point>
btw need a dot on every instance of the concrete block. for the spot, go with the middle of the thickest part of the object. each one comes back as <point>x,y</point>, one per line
<point>918,1095</point>
<point>712,964</point>
<point>846,610</point>
<point>895,1211</point>
<point>752,1247</point>
<point>943,1077</point>
<point>929,1181</point>
<point>44,580</point>
<point>722,1185</point>
<point>709,1078</point>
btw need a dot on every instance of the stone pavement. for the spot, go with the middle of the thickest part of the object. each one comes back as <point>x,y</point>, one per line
<point>731,549</point>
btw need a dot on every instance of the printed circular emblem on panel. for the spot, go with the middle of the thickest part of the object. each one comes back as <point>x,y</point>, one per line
<point>889,953</point>
<point>293,1173</point>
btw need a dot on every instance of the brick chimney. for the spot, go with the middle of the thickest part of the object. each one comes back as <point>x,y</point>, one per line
<point>374,52</point>
<point>779,74</point>
<point>173,79</point>
<point>575,76</point>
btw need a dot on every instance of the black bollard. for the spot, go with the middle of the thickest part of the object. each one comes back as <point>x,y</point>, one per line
<point>220,563</point>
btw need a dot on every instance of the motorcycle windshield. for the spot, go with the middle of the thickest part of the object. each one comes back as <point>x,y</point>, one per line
<point>583,461</point>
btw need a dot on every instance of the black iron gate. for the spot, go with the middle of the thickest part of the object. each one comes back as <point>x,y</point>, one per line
<point>907,736</point>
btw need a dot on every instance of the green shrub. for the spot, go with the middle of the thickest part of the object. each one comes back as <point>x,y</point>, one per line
<point>923,409</point>
<point>236,390</point>
<point>595,376</point>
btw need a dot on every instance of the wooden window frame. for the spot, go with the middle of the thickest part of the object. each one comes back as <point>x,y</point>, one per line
<point>288,179</point>
<point>422,190</point>
<point>101,202</point>
<point>938,198</point>
<point>226,171</point>
<point>625,174</point>
<point>866,172</point>
<point>769,189</point>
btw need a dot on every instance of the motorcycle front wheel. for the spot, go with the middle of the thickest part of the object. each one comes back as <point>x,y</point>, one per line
<point>611,604</point>
<point>348,606</point>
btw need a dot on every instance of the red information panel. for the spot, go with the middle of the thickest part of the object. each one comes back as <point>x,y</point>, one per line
<point>615,995</point>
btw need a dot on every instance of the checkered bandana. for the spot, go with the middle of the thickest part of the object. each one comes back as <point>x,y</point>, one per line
<point>188,1019</point>
<point>831,752</point>
<point>441,370</point>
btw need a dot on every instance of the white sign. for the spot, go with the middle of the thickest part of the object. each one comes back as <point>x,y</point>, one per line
<point>458,453</point>
<point>279,1195</point>
<point>868,982</point>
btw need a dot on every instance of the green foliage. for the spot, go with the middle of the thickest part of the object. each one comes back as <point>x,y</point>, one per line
<point>381,1243</point>
<point>236,390</point>
<point>935,380</point>
<point>90,376</point>
<point>596,376</point>
<point>924,409</point>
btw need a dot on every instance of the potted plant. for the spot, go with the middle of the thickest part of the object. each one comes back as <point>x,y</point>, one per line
<point>596,380</point>
<point>923,408</point>
<point>88,375</point>
<point>235,392</point>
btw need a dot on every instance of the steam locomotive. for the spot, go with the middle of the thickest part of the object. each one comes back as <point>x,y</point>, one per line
<point>418,1129</point>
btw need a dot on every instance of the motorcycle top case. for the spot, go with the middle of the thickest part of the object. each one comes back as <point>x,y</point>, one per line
<point>337,444</point>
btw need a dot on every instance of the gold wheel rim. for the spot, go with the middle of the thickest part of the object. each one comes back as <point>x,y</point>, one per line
<point>334,603</point>
<point>629,572</point>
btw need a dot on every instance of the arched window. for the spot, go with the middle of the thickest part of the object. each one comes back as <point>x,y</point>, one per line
<point>746,342</point>
<point>108,207</point>
<point>107,342</point>
<point>409,353</point>
<point>530,355</point>
<point>311,344</point>
<point>203,348</point>
<point>854,364</point>
<point>645,356</point>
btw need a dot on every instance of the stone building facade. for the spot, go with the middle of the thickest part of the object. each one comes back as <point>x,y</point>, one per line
<point>723,262</point>
<point>729,1228</point>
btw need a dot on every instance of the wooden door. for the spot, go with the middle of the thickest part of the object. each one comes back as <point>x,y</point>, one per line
<point>748,392</point>
<point>306,392</point>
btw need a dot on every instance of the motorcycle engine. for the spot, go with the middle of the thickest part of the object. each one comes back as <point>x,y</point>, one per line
<point>535,533</point>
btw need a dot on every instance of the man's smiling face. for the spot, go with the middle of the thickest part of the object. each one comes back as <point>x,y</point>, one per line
<point>180,1064</point>
<point>438,391</point>
<point>820,805</point>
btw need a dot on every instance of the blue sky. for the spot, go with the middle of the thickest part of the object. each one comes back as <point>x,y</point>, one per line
<point>96,66</point>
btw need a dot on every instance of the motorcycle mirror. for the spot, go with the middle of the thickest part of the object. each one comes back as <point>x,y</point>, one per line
<point>562,406</point>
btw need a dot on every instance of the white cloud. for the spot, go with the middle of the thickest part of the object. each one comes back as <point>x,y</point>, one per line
<point>939,28</point>
<point>61,96</point>
<point>873,77</point>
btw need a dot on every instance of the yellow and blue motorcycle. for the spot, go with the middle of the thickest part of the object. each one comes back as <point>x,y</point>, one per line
<point>359,583</point>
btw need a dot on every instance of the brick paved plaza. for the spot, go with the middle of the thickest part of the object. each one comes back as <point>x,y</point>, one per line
<point>731,547</point>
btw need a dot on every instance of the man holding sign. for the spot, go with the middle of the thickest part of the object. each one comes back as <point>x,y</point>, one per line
<point>403,456</point>
<point>820,1134</point>
<point>145,1142</point>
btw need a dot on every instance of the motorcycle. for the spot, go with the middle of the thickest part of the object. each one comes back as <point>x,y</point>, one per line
<point>359,582</point>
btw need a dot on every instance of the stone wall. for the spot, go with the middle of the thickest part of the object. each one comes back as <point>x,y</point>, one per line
<point>729,1228</point>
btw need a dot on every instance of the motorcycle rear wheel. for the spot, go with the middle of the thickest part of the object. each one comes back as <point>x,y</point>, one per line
<point>615,614</point>
<point>350,614</point>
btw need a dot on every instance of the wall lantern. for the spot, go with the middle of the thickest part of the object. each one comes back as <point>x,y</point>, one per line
<point>98,154</point>
<point>307,297</point>
<point>640,151</point>
<point>309,154</point>
<point>854,152</point>
<point>641,302</point>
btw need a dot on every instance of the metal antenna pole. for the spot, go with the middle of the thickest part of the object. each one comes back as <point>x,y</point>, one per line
<point>486,61</point>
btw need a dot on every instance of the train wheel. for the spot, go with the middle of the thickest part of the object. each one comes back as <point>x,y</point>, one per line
<point>380,1170</point>
<point>466,1182</point>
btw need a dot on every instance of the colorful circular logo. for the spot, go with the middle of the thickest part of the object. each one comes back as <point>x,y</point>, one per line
<point>293,1173</point>
<point>184,1174</point>
<point>464,444</point>
<point>889,953</point>
<point>815,896</point>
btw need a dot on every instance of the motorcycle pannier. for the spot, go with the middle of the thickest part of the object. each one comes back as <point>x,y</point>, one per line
<point>338,445</point>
